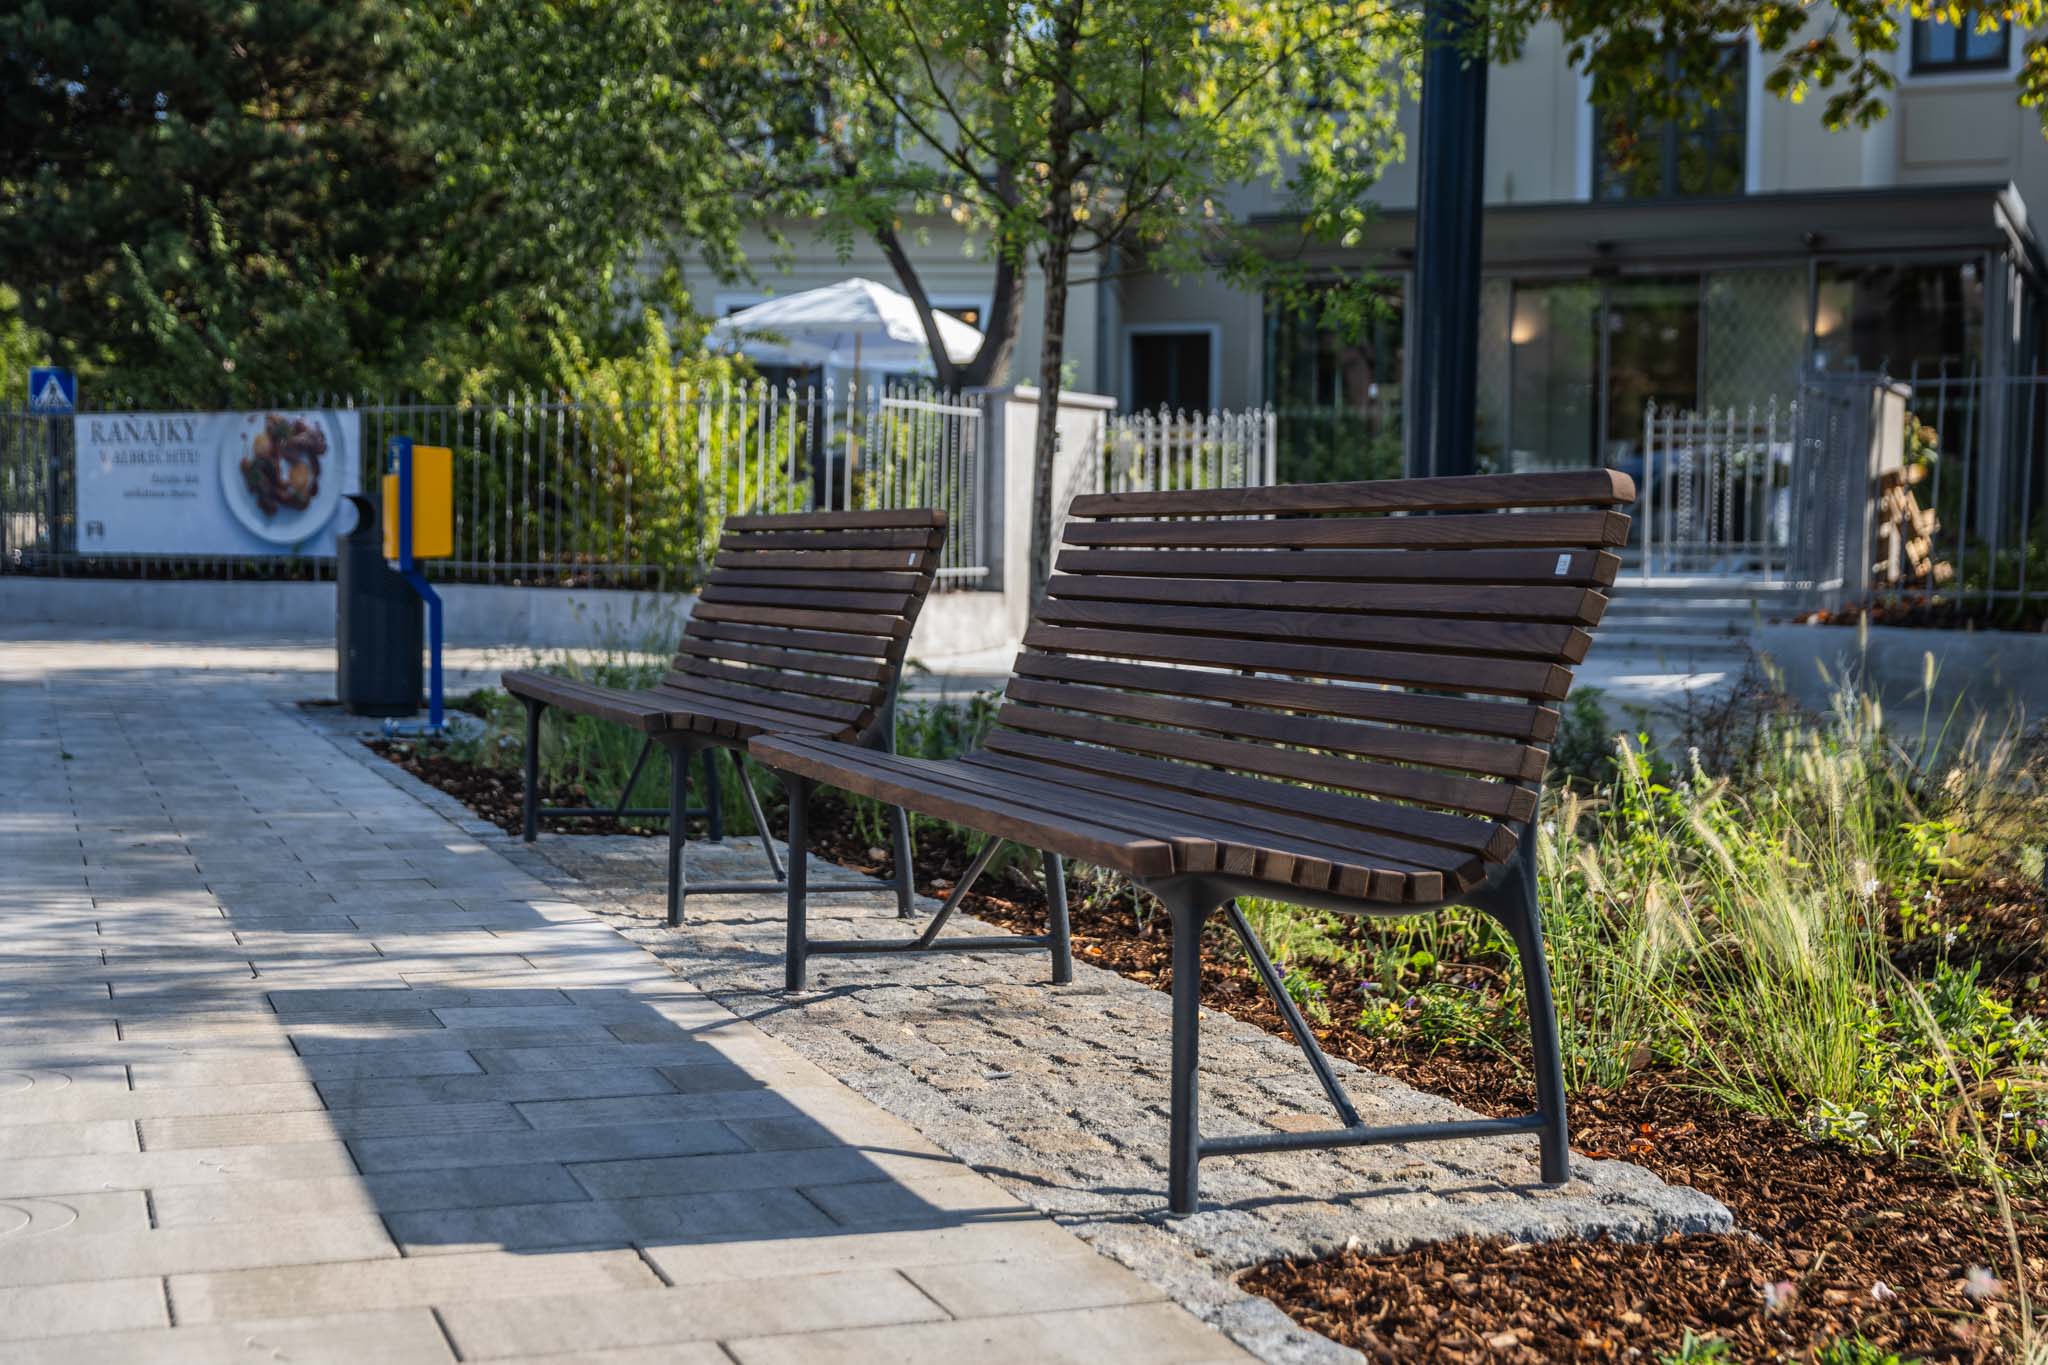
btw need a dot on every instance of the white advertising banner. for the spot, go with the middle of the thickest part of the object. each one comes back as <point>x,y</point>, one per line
<point>215,483</point>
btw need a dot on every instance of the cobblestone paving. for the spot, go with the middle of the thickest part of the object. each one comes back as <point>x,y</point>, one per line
<point>294,1067</point>
<point>1060,1096</point>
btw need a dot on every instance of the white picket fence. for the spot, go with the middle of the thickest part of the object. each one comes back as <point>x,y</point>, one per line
<point>1162,451</point>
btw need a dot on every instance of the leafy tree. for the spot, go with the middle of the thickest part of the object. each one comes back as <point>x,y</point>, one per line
<point>209,200</point>
<point>1667,62</point>
<point>1075,128</point>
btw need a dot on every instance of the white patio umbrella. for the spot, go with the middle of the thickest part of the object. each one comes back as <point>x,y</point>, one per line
<point>849,325</point>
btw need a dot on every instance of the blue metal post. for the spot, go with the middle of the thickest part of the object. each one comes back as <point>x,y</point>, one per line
<point>401,455</point>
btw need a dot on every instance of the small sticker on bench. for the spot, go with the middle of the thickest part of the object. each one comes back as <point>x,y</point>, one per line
<point>1564,565</point>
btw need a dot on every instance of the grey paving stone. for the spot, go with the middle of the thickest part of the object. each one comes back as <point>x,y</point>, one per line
<point>22,1141</point>
<point>608,1054</point>
<point>937,1199</point>
<point>1047,1284</point>
<point>700,1263</point>
<point>388,1192</point>
<point>359,1286</point>
<point>81,1104</point>
<point>745,1170</point>
<point>830,1304</point>
<point>399,1337</point>
<point>158,1170</point>
<point>1137,1334</point>
<point>169,1251</point>
<point>729,1214</point>
<point>64,1310</point>
<point>390,1121</point>
<point>515,1087</point>
<point>567,1145</point>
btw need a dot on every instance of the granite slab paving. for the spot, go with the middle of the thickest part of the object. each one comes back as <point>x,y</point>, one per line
<point>298,1066</point>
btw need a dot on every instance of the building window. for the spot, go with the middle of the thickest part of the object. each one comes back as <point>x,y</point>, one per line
<point>1941,48</point>
<point>1635,157</point>
<point>1171,370</point>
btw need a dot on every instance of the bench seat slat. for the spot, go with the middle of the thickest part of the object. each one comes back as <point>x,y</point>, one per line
<point>835,665</point>
<point>780,680</point>
<point>1426,868</point>
<point>1466,493</point>
<point>770,698</point>
<point>1526,639</point>
<point>707,628</point>
<point>834,580</point>
<point>730,557</point>
<point>1428,601</point>
<point>1488,757</point>
<point>619,705</point>
<point>1505,719</point>
<point>1469,795</point>
<point>1566,567</point>
<point>833,540</point>
<point>1491,529</point>
<point>849,623</point>
<point>1481,838</point>
<point>918,518</point>
<point>900,781</point>
<point>1507,678</point>
<point>721,591</point>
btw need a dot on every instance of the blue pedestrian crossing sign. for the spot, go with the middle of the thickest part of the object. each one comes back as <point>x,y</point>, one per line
<point>52,390</point>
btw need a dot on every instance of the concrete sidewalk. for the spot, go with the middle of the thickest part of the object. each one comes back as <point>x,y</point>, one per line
<point>295,1068</point>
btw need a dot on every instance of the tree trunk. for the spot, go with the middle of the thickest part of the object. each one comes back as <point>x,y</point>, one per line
<point>1051,359</point>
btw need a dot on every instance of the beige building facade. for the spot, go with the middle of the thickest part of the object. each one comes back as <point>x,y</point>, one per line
<point>1715,267</point>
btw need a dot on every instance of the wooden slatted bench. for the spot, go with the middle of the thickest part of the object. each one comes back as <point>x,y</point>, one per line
<point>800,628</point>
<point>1337,695</point>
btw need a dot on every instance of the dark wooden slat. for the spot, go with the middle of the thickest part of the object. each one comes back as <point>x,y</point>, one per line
<point>781,680</point>
<point>1225,843</point>
<point>617,705</point>
<point>1507,678</point>
<point>774,699</point>
<point>734,719</point>
<point>1488,638</point>
<point>844,580</point>
<point>1574,606</point>
<point>899,782</point>
<point>1467,795</point>
<point>1481,838</point>
<point>821,599</point>
<point>778,637</point>
<point>1563,488</point>
<point>732,558</point>
<point>1508,719</point>
<point>1485,756</point>
<point>835,665</point>
<point>1574,568</point>
<point>1561,529</point>
<point>918,517</point>
<point>845,622</point>
<point>834,540</point>
<point>1424,867</point>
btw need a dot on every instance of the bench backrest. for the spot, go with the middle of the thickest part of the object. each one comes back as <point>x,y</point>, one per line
<point>1209,627</point>
<point>809,614</point>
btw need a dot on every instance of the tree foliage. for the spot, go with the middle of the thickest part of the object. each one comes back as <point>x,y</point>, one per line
<point>210,200</point>
<point>1666,61</point>
<point>1068,129</point>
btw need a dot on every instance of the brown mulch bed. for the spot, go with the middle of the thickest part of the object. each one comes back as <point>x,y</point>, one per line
<point>494,793</point>
<point>1832,1243</point>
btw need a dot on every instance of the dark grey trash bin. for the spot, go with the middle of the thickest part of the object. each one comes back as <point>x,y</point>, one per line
<point>377,627</point>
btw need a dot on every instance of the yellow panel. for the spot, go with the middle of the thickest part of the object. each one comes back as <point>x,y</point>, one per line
<point>433,505</point>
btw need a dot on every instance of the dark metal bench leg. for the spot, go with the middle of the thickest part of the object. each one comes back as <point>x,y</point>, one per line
<point>906,883</point>
<point>1056,909</point>
<point>1527,929</point>
<point>798,940</point>
<point>529,790</point>
<point>678,834</point>
<point>1189,909</point>
<point>714,808</point>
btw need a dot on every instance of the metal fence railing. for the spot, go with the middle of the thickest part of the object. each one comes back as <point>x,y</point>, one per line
<point>1148,452</point>
<point>558,492</point>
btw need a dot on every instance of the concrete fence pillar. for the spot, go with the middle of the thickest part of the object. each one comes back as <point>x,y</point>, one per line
<point>1011,431</point>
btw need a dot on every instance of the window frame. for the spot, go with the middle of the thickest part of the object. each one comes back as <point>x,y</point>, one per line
<point>1670,136</point>
<point>1918,67</point>
<point>1132,331</point>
